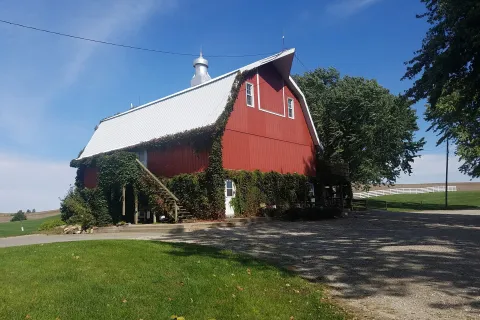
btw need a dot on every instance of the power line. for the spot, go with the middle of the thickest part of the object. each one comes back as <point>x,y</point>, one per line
<point>128,46</point>
<point>296,57</point>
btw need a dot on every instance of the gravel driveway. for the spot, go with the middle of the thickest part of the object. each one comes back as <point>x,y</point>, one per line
<point>383,265</point>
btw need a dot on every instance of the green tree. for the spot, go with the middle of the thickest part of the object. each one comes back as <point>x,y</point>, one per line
<point>453,125</point>
<point>28,211</point>
<point>19,216</point>
<point>362,124</point>
<point>447,73</point>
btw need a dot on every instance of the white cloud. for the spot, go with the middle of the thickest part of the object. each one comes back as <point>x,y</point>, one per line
<point>347,8</point>
<point>28,183</point>
<point>430,168</point>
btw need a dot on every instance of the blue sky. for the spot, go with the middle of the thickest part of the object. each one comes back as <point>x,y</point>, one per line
<point>54,90</point>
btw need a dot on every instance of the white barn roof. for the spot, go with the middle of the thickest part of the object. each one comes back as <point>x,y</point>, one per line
<point>189,109</point>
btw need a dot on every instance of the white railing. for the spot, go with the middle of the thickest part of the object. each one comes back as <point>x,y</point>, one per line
<point>378,193</point>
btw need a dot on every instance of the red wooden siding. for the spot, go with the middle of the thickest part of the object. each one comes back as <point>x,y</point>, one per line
<point>90,177</point>
<point>243,151</point>
<point>176,160</point>
<point>257,139</point>
<point>271,86</point>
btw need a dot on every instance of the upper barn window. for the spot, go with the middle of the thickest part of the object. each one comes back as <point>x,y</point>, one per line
<point>291,112</point>
<point>250,95</point>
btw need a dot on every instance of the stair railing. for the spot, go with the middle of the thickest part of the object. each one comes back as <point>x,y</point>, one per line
<point>175,199</point>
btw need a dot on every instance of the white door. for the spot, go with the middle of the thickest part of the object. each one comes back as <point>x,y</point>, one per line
<point>229,195</point>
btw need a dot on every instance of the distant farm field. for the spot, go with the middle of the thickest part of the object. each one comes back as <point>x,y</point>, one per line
<point>461,186</point>
<point>5,217</point>
<point>459,200</point>
<point>10,229</point>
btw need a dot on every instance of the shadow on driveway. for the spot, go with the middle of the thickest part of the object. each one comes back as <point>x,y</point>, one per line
<point>397,265</point>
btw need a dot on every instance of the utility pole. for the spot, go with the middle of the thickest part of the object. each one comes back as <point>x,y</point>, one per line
<point>446,179</point>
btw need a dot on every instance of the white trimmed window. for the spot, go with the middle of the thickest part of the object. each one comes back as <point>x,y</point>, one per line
<point>142,157</point>
<point>229,187</point>
<point>291,112</point>
<point>250,94</point>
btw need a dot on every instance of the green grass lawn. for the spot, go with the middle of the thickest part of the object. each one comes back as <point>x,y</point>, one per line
<point>10,229</point>
<point>427,201</point>
<point>128,279</point>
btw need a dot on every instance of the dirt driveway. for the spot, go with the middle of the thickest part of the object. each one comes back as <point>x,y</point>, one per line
<point>386,265</point>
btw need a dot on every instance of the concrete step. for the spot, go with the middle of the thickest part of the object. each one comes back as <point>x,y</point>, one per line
<point>185,226</point>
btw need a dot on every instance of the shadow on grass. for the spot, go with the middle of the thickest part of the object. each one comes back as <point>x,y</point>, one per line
<point>418,206</point>
<point>181,250</point>
<point>376,253</point>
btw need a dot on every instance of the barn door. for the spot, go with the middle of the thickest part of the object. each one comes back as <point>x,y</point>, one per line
<point>229,195</point>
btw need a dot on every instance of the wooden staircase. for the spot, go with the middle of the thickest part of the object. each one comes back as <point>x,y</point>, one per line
<point>177,211</point>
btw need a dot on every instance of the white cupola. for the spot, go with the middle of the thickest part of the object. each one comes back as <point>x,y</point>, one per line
<point>201,71</point>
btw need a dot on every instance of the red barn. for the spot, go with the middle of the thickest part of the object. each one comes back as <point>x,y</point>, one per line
<point>269,128</point>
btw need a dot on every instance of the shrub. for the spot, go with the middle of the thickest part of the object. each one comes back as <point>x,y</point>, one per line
<point>98,206</point>
<point>72,205</point>
<point>19,216</point>
<point>51,224</point>
<point>272,212</point>
<point>86,220</point>
<point>77,207</point>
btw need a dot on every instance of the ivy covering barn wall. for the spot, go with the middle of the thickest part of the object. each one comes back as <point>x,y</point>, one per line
<point>215,175</point>
<point>103,205</point>
<point>192,191</point>
<point>256,190</point>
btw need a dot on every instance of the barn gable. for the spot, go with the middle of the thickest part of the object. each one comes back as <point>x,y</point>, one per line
<point>268,128</point>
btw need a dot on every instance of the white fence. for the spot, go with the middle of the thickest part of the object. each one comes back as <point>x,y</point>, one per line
<point>378,193</point>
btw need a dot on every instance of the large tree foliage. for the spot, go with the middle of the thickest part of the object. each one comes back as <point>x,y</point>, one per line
<point>456,126</point>
<point>362,124</point>
<point>448,71</point>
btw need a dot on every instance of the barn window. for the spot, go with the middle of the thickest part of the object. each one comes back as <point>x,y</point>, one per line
<point>291,113</point>
<point>142,157</point>
<point>250,95</point>
<point>229,186</point>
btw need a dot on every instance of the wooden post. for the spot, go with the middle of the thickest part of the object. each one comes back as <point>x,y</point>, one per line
<point>349,194</point>
<point>123,201</point>
<point>176,212</point>
<point>154,217</point>
<point>341,196</point>
<point>135,217</point>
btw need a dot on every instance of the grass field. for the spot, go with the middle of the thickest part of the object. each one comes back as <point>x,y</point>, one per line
<point>10,229</point>
<point>427,201</point>
<point>131,279</point>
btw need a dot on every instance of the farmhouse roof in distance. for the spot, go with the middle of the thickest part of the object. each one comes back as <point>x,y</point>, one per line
<point>195,107</point>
